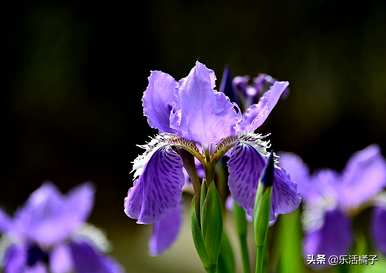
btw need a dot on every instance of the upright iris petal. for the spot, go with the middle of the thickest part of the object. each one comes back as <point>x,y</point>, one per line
<point>158,100</point>
<point>363,177</point>
<point>165,231</point>
<point>204,115</point>
<point>245,166</point>
<point>256,114</point>
<point>334,237</point>
<point>158,189</point>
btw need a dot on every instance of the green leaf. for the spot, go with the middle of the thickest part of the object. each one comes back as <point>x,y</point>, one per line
<point>241,224</point>
<point>226,260</point>
<point>378,267</point>
<point>212,225</point>
<point>290,243</point>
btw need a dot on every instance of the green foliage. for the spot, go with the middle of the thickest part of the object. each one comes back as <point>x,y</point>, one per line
<point>207,227</point>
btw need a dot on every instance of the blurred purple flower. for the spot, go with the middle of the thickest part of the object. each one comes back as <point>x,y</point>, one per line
<point>245,92</point>
<point>329,197</point>
<point>43,234</point>
<point>378,227</point>
<point>191,115</point>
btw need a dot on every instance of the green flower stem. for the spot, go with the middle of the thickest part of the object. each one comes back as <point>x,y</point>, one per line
<point>242,233</point>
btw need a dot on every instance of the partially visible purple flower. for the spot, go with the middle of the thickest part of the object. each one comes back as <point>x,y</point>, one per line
<point>378,228</point>
<point>244,91</point>
<point>330,196</point>
<point>332,238</point>
<point>43,233</point>
<point>191,115</point>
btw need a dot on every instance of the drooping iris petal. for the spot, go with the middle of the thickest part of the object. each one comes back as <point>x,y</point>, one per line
<point>363,177</point>
<point>165,232</point>
<point>158,189</point>
<point>159,99</point>
<point>61,259</point>
<point>204,115</point>
<point>378,228</point>
<point>299,173</point>
<point>87,259</point>
<point>49,217</point>
<point>285,197</point>
<point>256,114</point>
<point>5,221</point>
<point>334,237</point>
<point>14,259</point>
<point>245,165</point>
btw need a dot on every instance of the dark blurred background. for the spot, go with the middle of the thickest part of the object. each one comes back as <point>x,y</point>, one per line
<point>74,73</point>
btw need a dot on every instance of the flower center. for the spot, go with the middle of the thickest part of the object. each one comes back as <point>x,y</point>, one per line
<point>35,255</point>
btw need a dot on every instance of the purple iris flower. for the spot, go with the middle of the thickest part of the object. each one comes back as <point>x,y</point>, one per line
<point>191,115</point>
<point>330,196</point>
<point>49,234</point>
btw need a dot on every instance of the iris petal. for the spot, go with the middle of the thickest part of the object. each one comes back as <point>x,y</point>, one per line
<point>61,259</point>
<point>158,100</point>
<point>245,166</point>
<point>363,177</point>
<point>5,222</point>
<point>378,228</point>
<point>285,197</point>
<point>158,189</point>
<point>165,232</point>
<point>38,268</point>
<point>299,173</point>
<point>203,114</point>
<point>14,259</point>
<point>334,237</point>
<point>256,114</point>
<point>87,259</point>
